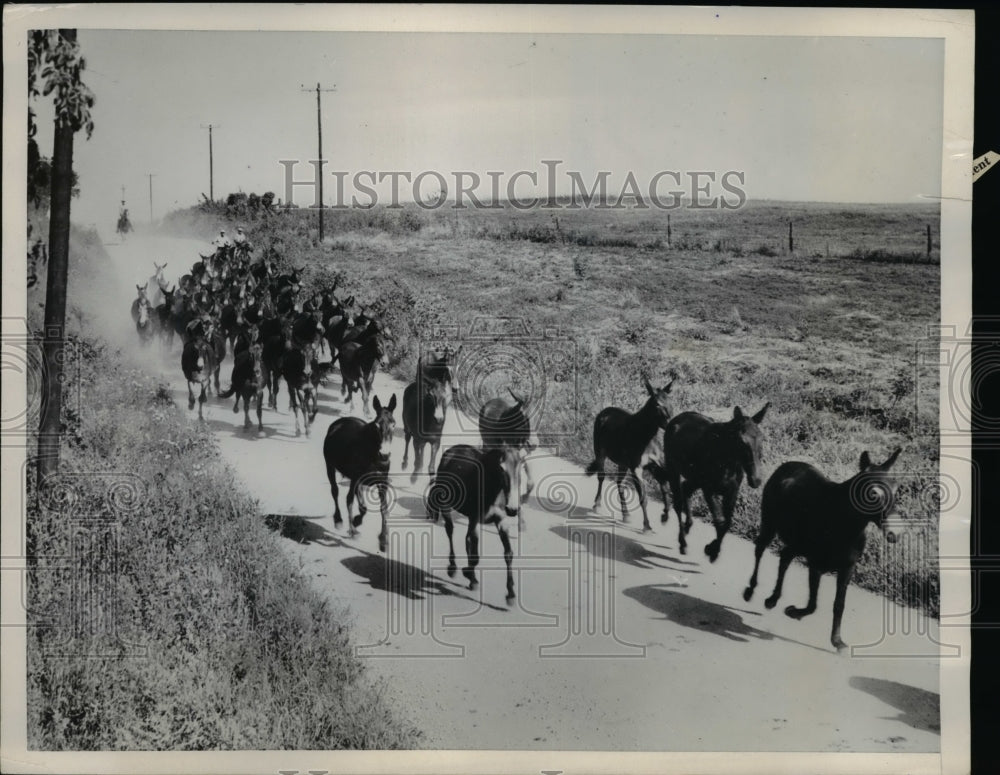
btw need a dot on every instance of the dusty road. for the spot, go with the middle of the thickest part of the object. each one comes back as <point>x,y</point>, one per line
<point>615,641</point>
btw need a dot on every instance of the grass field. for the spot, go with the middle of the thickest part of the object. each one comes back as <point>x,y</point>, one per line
<point>827,332</point>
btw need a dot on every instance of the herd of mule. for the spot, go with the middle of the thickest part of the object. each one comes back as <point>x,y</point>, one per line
<point>232,303</point>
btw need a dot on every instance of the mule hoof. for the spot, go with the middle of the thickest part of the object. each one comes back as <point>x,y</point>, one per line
<point>337,520</point>
<point>381,544</point>
<point>413,478</point>
<point>471,576</point>
<point>793,612</point>
<point>190,404</point>
<point>747,594</point>
<point>664,517</point>
<point>712,551</point>
<point>683,549</point>
<point>839,645</point>
<point>511,597</point>
<point>451,570</point>
<point>647,528</point>
<point>236,409</point>
<point>771,602</point>
<point>357,520</point>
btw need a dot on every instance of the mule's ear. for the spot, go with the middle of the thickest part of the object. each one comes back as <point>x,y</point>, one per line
<point>866,461</point>
<point>392,404</point>
<point>738,414</point>
<point>649,388</point>
<point>760,415</point>
<point>520,400</point>
<point>892,459</point>
<point>667,387</point>
<point>376,404</point>
<point>163,267</point>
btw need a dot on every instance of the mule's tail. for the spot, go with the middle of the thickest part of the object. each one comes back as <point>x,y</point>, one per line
<point>594,467</point>
<point>228,393</point>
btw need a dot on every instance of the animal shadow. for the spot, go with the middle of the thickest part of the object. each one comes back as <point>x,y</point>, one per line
<point>918,708</point>
<point>626,549</point>
<point>696,614</point>
<point>303,530</point>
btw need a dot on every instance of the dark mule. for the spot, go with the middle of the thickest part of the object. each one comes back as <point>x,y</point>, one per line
<point>824,522</point>
<point>358,364</point>
<point>425,409</point>
<point>626,439</point>
<point>501,422</point>
<point>360,451</point>
<point>247,383</point>
<point>296,368</point>
<point>700,454</point>
<point>198,365</point>
<point>484,486</point>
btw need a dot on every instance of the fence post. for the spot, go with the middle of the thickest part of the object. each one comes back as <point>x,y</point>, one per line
<point>668,231</point>
<point>928,243</point>
<point>791,242</point>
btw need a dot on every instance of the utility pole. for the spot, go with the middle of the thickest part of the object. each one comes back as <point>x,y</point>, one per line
<point>211,167</point>
<point>319,138</point>
<point>150,175</point>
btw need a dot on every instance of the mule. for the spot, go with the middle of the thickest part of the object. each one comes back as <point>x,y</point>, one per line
<point>198,365</point>
<point>361,452</point>
<point>156,284</point>
<point>358,364</point>
<point>425,409</point>
<point>625,439</point>
<point>501,423</point>
<point>296,368</point>
<point>484,485</point>
<point>145,324</point>
<point>248,383</point>
<point>139,299</point>
<point>824,522</point>
<point>714,457</point>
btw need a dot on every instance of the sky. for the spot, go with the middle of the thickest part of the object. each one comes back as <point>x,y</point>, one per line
<point>839,119</point>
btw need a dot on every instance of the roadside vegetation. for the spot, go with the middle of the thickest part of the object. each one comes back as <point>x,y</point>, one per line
<point>162,612</point>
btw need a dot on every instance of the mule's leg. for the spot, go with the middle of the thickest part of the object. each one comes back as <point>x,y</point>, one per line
<point>303,400</point>
<point>383,501</point>
<point>843,579</point>
<point>366,389</point>
<point>717,507</point>
<point>406,448</point>
<point>352,523</point>
<point>639,488</point>
<point>435,446</point>
<point>508,556</point>
<point>619,479</point>
<point>784,560</point>
<point>472,550</point>
<point>798,613</point>
<point>293,400</point>
<point>449,529</point>
<point>599,462</point>
<point>335,491</point>
<point>191,398</point>
<point>764,538</point>
<point>418,458</point>
<point>689,490</point>
<point>202,399</point>
<point>260,401</point>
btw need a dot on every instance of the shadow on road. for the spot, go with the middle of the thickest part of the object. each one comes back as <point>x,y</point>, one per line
<point>626,549</point>
<point>303,530</point>
<point>919,708</point>
<point>703,615</point>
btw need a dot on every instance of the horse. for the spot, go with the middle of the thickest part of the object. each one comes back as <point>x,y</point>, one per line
<point>425,408</point>
<point>700,454</point>
<point>248,382</point>
<point>198,365</point>
<point>484,485</point>
<point>360,451</point>
<point>625,439</point>
<point>358,363</point>
<point>824,522</point>
<point>296,368</point>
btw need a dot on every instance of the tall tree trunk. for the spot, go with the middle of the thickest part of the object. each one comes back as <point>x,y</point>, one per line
<point>55,295</point>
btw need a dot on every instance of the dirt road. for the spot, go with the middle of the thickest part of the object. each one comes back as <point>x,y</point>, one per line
<point>615,640</point>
